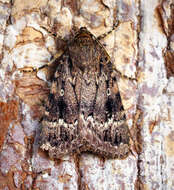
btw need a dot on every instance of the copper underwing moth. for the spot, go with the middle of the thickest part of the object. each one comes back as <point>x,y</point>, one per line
<point>84,110</point>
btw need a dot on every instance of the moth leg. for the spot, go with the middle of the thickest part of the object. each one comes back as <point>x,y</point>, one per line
<point>119,74</point>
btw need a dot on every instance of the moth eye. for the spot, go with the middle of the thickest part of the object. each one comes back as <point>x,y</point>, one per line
<point>61,92</point>
<point>108,92</point>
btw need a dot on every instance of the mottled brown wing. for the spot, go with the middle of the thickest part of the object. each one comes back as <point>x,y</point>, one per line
<point>102,122</point>
<point>60,124</point>
<point>84,111</point>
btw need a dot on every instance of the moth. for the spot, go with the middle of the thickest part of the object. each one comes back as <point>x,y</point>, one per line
<point>84,110</point>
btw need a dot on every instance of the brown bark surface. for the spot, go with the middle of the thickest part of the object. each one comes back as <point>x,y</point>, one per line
<point>141,48</point>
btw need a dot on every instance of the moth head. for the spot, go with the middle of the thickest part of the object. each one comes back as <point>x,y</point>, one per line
<point>82,50</point>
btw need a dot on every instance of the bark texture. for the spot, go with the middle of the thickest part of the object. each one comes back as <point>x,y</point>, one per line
<point>141,48</point>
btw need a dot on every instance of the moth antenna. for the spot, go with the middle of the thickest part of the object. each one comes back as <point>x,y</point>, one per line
<point>32,69</point>
<point>56,56</point>
<point>107,33</point>
<point>49,31</point>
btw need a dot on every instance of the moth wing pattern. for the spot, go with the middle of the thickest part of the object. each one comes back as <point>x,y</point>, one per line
<point>103,124</point>
<point>84,111</point>
<point>105,129</point>
<point>60,123</point>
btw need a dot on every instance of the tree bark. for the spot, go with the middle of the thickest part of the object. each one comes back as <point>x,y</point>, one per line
<point>141,48</point>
